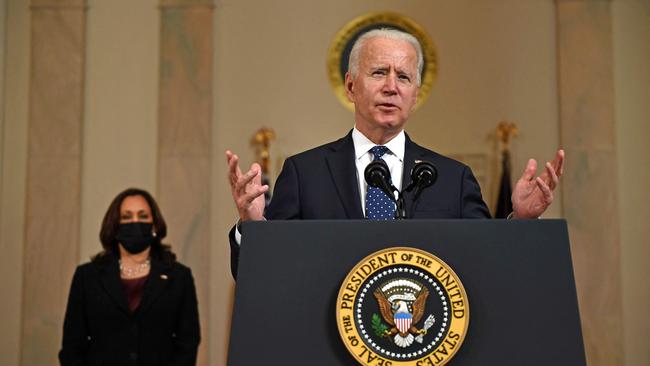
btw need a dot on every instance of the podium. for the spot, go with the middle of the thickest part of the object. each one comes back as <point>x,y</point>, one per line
<point>517,274</point>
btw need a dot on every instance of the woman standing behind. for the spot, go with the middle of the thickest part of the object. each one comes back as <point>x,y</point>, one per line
<point>133,304</point>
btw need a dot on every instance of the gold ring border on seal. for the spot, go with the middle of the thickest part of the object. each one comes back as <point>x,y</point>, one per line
<point>345,35</point>
<point>427,255</point>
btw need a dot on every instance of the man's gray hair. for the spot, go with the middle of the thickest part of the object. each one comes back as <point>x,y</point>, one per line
<point>398,35</point>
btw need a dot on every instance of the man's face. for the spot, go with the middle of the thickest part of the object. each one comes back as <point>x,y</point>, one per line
<point>385,89</point>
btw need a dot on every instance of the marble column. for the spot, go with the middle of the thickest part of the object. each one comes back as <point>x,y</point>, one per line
<point>590,199</point>
<point>184,139</point>
<point>53,173</point>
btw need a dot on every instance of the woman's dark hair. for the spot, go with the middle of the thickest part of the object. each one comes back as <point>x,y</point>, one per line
<point>111,223</point>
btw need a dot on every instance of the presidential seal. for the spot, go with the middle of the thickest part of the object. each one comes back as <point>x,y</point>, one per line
<point>402,306</point>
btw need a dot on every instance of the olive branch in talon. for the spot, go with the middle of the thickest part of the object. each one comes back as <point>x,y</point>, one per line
<point>381,329</point>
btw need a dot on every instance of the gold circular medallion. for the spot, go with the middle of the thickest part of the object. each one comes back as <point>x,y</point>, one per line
<point>402,306</point>
<point>339,52</point>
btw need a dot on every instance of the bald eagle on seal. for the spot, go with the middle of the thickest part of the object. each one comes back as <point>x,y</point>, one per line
<point>400,318</point>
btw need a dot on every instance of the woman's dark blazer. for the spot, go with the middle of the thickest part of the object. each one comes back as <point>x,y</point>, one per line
<point>99,329</point>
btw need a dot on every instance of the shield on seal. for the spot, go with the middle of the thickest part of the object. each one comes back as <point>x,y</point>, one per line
<point>403,321</point>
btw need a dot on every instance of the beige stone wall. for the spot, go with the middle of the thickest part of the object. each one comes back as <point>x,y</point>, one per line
<point>586,91</point>
<point>185,143</point>
<point>13,176</point>
<point>3,21</point>
<point>497,60</point>
<point>631,35</point>
<point>121,101</point>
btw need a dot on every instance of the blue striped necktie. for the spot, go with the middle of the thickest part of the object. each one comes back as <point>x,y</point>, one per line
<point>378,205</point>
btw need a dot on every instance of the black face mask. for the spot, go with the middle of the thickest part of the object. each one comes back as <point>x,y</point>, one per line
<point>135,237</point>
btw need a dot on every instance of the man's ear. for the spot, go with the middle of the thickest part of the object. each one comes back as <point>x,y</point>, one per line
<point>349,87</point>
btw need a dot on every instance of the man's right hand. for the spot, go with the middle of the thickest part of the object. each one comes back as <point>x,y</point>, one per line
<point>246,188</point>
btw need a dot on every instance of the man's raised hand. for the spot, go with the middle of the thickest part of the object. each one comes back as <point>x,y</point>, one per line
<point>246,188</point>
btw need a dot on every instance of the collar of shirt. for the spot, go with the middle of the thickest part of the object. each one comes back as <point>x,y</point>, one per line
<point>362,145</point>
<point>394,158</point>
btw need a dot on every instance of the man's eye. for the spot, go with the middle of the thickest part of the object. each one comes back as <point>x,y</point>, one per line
<point>378,73</point>
<point>405,77</point>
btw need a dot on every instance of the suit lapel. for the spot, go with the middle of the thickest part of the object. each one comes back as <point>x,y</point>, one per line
<point>156,283</point>
<point>340,160</point>
<point>110,279</point>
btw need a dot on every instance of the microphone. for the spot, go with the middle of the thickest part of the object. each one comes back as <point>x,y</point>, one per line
<point>423,175</point>
<point>377,175</point>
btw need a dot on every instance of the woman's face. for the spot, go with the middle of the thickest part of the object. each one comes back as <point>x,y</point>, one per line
<point>135,209</point>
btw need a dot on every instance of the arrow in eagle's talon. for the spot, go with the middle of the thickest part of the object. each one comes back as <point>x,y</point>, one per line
<point>427,324</point>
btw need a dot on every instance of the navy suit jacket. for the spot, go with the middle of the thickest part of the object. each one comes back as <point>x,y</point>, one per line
<point>322,184</point>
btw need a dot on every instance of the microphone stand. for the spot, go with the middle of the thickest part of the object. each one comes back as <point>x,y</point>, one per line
<point>400,209</point>
<point>400,212</point>
<point>377,175</point>
<point>423,175</point>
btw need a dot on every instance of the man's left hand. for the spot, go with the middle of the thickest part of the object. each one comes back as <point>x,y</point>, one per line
<point>532,195</point>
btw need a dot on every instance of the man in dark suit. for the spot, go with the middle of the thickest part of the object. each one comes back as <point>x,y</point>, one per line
<point>327,182</point>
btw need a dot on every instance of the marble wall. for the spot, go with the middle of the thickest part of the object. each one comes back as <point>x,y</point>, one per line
<point>53,172</point>
<point>631,35</point>
<point>587,125</point>
<point>184,139</point>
